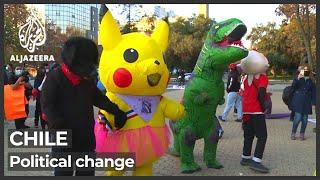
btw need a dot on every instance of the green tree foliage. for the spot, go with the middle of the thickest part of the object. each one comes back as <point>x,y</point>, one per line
<point>128,28</point>
<point>304,15</point>
<point>132,13</point>
<point>284,45</point>
<point>15,15</point>
<point>185,41</point>
<point>56,38</point>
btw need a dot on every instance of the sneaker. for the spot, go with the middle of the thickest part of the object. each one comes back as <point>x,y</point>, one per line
<point>220,118</point>
<point>238,120</point>
<point>245,162</point>
<point>302,138</point>
<point>293,136</point>
<point>258,167</point>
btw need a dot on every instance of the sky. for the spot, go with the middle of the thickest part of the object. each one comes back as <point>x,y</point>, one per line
<point>250,14</point>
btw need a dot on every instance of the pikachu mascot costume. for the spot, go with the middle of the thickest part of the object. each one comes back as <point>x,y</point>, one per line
<point>135,75</point>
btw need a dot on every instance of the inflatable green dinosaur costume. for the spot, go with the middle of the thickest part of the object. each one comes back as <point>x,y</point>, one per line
<point>205,92</point>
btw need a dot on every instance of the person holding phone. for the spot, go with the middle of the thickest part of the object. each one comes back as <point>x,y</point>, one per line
<point>20,77</point>
<point>301,102</point>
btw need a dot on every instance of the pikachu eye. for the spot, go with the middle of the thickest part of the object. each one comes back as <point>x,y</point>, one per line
<point>130,55</point>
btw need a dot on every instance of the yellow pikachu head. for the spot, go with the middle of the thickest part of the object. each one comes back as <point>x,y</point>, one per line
<point>133,63</point>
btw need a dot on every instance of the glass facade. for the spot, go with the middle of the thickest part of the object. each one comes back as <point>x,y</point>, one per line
<point>80,18</point>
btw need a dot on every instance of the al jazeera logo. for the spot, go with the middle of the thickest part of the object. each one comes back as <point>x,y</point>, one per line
<point>32,35</point>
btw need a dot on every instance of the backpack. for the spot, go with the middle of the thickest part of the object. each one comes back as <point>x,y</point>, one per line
<point>287,95</point>
<point>268,103</point>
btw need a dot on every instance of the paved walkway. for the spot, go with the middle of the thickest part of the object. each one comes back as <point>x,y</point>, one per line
<point>283,156</point>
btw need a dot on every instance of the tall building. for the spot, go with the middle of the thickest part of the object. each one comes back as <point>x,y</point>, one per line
<point>83,18</point>
<point>160,11</point>
<point>204,10</point>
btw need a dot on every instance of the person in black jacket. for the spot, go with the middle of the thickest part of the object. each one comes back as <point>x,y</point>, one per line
<point>43,70</point>
<point>301,102</point>
<point>295,76</point>
<point>68,96</point>
<point>233,99</point>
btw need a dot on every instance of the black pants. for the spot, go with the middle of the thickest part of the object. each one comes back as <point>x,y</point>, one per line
<point>19,123</point>
<point>37,114</point>
<point>62,152</point>
<point>255,127</point>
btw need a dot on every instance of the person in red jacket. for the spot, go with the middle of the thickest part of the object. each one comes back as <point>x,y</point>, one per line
<point>254,89</point>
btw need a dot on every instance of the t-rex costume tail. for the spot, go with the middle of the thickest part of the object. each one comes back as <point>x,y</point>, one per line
<point>205,92</point>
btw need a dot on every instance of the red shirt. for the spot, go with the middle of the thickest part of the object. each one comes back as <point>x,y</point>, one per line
<point>250,103</point>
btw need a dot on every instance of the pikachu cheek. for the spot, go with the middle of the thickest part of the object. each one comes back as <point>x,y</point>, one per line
<point>122,78</point>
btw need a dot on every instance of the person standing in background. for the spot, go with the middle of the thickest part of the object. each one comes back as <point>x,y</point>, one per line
<point>181,77</point>
<point>20,77</point>
<point>233,99</point>
<point>301,102</point>
<point>9,71</point>
<point>36,92</point>
<point>295,76</point>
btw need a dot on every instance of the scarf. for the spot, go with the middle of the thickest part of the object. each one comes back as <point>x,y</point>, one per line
<point>73,78</point>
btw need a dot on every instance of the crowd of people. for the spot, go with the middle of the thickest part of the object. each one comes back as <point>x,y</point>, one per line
<point>19,76</point>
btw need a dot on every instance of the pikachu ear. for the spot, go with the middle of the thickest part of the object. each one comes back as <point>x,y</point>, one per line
<point>161,34</point>
<point>110,34</point>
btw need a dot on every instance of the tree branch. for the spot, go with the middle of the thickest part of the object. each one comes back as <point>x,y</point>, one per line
<point>304,36</point>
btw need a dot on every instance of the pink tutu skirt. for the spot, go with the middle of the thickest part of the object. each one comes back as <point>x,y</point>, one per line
<point>148,143</point>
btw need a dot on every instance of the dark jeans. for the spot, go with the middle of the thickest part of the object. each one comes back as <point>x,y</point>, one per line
<point>256,126</point>
<point>296,121</point>
<point>19,123</point>
<point>37,114</point>
<point>291,115</point>
<point>70,171</point>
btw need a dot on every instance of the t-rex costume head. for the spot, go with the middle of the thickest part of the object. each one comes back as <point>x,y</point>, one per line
<point>222,46</point>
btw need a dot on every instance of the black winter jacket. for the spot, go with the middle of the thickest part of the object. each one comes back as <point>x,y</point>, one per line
<point>71,107</point>
<point>233,84</point>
